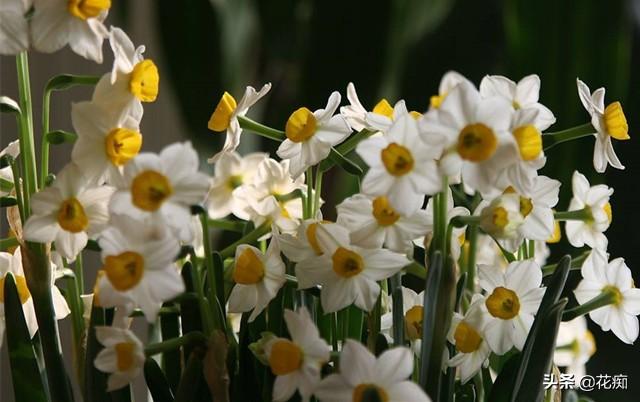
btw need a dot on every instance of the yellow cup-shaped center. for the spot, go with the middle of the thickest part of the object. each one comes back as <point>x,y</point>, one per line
<point>285,357</point>
<point>383,212</point>
<point>301,125</point>
<point>312,237</point>
<point>397,159</point>
<point>121,145</point>
<point>503,303</point>
<point>21,285</point>
<point>556,235</point>
<point>436,100</point>
<point>476,143</point>
<point>607,210</point>
<point>526,206</point>
<point>347,263</point>
<point>383,108</point>
<point>529,142</point>
<point>145,81</point>
<point>71,216</point>
<point>124,355</point>
<point>85,9</point>
<point>615,292</point>
<point>149,189</point>
<point>369,392</point>
<point>467,338</point>
<point>249,268</point>
<point>500,217</point>
<point>124,270</point>
<point>413,322</point>
<point>615,121</point>
<point>221,116</point>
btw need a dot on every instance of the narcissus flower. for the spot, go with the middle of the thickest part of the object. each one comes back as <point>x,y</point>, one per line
<point>522,95</point>
<point>262,197</point>
<point>449,80</point>
<point>361,374</point>
<point>13,263</point>
<point>231,172</point>
<point>402,166</point>
<point>225,117</point>
<point>477,141</point>
<point>348,273</point>
<point>310,135</point>
<point>164,185</point>
<point>6,174</point>
<point>122,356</point>
<point>139,268</point>
<point>466,334</point>
<point>304,245</point>
<point>609,122</point>
<point>373,222</point>
<point>614,277</point>
<point>502,217</point>
<point>133,79</point>
<point>78,23</point>
<point>108,138</point>
<point>296,363</point>
<point>14,31</point>
<point>258,277</point>
<point>68,212</point>
<point>574,346</point>
<point>513,298</point>
<point>412,308</point>
<point>594,200</point>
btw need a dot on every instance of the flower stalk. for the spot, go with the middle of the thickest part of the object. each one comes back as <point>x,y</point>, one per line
<point>607,297</point>
<point>550,140</point>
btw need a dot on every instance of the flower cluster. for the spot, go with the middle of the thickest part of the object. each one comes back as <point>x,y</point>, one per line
<point>451,195</point>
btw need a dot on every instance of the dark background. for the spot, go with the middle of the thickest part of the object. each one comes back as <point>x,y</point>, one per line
<point>393,49</point>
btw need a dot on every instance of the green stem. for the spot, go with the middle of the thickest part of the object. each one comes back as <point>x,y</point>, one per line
<point>471,258</point>
<point>214,298</point>
<point>576,264</point>
<point>397,310</point>
<point>334,331</point>
<point>316,195</point>
<point>444,222</point>
<point>27,150</point>
<point>77,323</point>
<point>460,221</point>
<point>605,298</point>
<point>532,249</point>
<point>416,270</point>
<point>583,214</point>
<point>251,237</point>
<point>8,242</point>
<point>19,190</point>
<point>228,225</point>
<point>260,129</point>
<point>309,202</point>
<point>191,337</point>
<point>44,151</point>
<point>550,140</point>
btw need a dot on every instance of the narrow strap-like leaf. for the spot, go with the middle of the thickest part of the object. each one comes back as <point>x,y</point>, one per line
<point>157,382</point>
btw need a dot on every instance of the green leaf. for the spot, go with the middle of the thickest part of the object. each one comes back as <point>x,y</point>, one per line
<point>6,185</point>
<point>345,148</point>
<point>25,373</point>
<point>157,382</point>
<point>66,81</point>
<point>503,386</point>
<point>345,163</point>
<point>8,201</point>
<point>531,388</point>
<point>58,137</point>
<point>429,324</point>
<point>8,105</point>
<point>171,360</point>
<point>95,381</point>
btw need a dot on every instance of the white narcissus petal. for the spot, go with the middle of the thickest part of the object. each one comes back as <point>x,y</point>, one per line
<point>394,365</point>
<point>41,229</point>
<point>528,90</point>
<point>357,364</point>
<point>284,387</point>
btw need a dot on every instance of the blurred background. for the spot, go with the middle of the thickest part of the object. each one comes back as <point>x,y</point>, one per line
<point>397,49</point>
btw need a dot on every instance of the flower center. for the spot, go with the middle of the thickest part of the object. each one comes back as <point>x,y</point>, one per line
<point>500,217</point>
<point>85,9</point>
<point>529,142</point>
<point>397,159</point>
<point>221,117</point>
<point>616,122</point>
<point>556,235</point>
<point>121,145</point>
<point>476,143</point>
<point>503,303</point>
<point>71,216</point>
<point>467,338</point>
<point>21,285</point>
<point>526,205</point>
<point>607,210</point>
<point>249,268</point>
<point>413,322</point>
<point>383,212</point>
<point>301,125</point>
<point>436,100</point>
<point>234,182</point>
<point>124,270</point>
<point>369,392</point>
<point>124,355</point>
<point>150,189</point>
<point>286,357</point>
<point>347,263</point>
<point>144,81</point>
<point>615,292</point>
<point>383,108</point>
